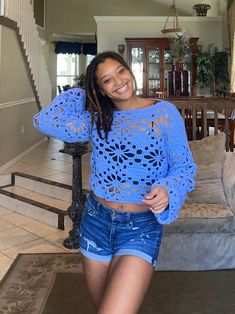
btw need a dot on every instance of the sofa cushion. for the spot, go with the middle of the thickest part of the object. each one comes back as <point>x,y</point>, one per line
<point>209,156</point>
<point>199,225</point>
<point>208,150</point>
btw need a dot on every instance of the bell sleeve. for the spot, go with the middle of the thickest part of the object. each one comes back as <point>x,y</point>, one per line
<point>66,118</point>
<point>181,167</point>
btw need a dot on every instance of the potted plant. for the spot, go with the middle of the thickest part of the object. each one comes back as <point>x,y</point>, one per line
<point>221,74</point>
<point>79,80</point>
<point>178,78</point>
<point>180,48</point>
<point>212,71</point>
<point>204,69</point>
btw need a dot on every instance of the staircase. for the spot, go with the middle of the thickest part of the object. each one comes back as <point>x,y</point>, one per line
<point>18,15</point>
<point>37,198</point>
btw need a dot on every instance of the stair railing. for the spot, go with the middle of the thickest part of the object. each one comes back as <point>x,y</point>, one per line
<point>21,12</point>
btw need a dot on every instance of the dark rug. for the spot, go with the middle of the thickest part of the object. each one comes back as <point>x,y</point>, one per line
<point>54,284</point>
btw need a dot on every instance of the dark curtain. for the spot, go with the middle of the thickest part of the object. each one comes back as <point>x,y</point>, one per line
<point>89,49</point>
<point>76,48</point>
<point>68,47</point>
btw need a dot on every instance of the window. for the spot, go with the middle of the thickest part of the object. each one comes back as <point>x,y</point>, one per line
<point>69,66</point>
<point>88,59</point>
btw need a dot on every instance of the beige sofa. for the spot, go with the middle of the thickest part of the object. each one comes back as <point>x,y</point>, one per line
<point>203,237</point>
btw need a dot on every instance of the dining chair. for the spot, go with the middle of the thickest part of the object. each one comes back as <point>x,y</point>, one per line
<point>59,89</point>
<point>160,94</point>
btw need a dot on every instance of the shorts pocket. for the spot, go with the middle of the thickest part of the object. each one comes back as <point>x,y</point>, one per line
<point>90,208</point>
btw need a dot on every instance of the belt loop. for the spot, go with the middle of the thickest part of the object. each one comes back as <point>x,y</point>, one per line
<point>95,202</point>
<point>98,206</point>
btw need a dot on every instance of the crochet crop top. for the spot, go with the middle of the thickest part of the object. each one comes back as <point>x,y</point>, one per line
<point>146,147</point>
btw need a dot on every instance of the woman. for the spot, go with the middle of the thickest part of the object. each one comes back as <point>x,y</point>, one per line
<point>141,171</point>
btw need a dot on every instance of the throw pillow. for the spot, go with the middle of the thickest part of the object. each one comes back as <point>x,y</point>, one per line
<point>209,155</point>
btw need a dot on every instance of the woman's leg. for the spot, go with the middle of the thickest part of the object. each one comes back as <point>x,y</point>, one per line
<point>126,285</point>
<point>96,276</point>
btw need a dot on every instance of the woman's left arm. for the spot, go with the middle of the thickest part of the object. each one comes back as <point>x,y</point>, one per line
<point>180,178</point>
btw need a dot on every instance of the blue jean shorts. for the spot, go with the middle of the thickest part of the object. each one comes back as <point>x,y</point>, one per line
<point>105,232</point>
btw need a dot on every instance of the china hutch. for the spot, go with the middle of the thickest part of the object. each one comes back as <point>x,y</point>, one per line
<point>150,60</point>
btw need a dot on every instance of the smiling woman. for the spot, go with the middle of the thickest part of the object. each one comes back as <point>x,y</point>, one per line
<point>116,82</point>
<point>141,171</point>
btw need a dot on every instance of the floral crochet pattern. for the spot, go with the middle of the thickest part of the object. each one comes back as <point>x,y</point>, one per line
<point>66,116</point>
<point>146,147</point>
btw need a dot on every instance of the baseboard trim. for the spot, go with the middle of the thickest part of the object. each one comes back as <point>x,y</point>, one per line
<point>17,102</point>
<point>17,158</point>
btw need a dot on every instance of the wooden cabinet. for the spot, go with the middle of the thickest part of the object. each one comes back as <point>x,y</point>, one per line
<point>150,61</point>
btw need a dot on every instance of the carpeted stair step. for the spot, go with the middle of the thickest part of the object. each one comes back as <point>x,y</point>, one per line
<point>43,200</point>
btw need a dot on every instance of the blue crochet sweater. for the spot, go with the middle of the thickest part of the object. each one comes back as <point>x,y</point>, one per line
<point>146,147</point>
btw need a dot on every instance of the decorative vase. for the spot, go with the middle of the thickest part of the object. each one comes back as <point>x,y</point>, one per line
<point>179,66</point>
<point>177,81</point>
<point>184,83</point>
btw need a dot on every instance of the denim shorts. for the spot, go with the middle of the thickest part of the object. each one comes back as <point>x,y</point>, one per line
<point>105,232</point>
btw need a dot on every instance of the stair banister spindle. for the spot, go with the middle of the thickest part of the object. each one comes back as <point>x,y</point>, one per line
<point>26,27</point>
<point>2,6</point>
<point>21,12</point>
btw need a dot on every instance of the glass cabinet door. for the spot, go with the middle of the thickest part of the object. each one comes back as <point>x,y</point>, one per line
<point>153,79</point>
<point>167,66</point>
<point>137,66</point>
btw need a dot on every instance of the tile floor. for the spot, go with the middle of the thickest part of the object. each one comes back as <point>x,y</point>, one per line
<point>20,234</point>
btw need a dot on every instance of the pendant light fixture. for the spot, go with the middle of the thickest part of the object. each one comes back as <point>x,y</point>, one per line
<point>172,29</point>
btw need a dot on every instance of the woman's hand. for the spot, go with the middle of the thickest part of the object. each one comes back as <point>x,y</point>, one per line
<point>157,199</point>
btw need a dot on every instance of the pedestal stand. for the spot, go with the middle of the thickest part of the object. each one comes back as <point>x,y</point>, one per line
<point>76,150</point>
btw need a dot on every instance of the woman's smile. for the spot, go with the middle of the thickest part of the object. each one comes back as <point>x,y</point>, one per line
<point>115,80</point>
<point>122,89</point>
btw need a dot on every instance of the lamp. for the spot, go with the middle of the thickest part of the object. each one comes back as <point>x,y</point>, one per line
<point>175,23</point>
<point>121,49</point>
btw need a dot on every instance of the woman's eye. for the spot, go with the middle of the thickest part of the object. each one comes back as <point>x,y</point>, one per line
<point>106,81</point>
<point>122,70</point>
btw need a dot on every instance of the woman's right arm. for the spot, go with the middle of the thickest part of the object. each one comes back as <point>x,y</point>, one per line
<point>66,118</point>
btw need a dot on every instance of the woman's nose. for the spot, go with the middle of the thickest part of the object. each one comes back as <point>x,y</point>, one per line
<point>118,80</point>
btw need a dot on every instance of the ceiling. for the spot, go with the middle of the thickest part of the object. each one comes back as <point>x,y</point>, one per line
<point>185,7</point>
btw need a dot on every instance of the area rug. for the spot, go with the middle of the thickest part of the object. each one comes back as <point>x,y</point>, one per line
<point>54,284</point>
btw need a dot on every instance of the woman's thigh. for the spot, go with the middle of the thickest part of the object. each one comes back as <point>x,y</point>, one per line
<point>127,283</point>
<point>96,276</point>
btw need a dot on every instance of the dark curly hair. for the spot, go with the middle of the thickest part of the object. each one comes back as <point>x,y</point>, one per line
<point>100,105</point>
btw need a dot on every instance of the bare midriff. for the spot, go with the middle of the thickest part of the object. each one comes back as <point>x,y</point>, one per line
<point>128,207</point>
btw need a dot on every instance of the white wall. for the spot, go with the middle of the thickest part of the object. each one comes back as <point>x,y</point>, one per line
<point>14,81</point>
<point>17,101</point>
<point>112,30</point>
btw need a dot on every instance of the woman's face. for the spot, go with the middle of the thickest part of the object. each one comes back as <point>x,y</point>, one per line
<point>115,80</point>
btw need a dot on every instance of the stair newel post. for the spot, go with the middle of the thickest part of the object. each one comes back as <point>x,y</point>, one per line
<point>76,150</point>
